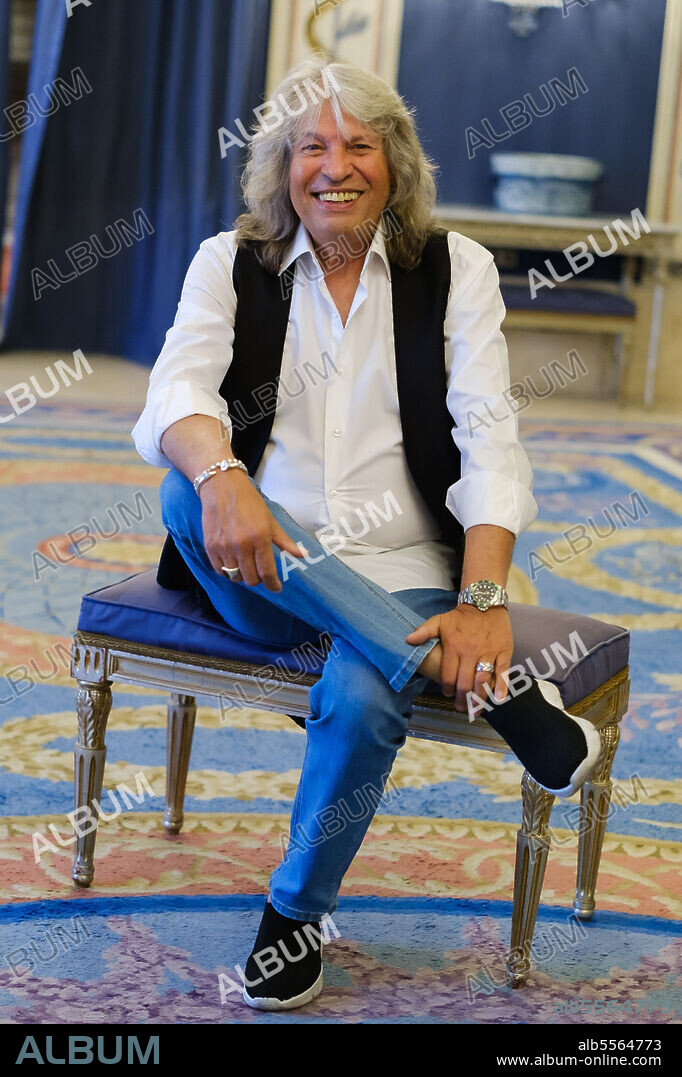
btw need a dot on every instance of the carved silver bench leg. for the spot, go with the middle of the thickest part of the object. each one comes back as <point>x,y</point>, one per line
<point>532,847</point>
<point>93,704</point>
<point>182,712</point>
<point>595,799</point>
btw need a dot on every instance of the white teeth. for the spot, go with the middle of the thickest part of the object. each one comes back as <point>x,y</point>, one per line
<point>339,196</point>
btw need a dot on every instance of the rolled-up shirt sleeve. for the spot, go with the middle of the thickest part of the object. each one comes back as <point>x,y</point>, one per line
<point>197,352</point>
<point>496,481</point>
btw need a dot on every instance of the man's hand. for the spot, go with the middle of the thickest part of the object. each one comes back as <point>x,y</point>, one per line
<point>239,530</point>
<point>468,636</point>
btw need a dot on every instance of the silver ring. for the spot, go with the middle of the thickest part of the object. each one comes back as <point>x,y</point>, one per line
<point>231,572</point>
<point>485,667</point>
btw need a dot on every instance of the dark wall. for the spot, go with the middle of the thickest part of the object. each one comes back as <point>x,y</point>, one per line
<point>460,62</point>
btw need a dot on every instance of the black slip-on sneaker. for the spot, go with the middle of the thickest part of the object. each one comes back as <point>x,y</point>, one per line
<point>284,969</point>
<point>559,750</point>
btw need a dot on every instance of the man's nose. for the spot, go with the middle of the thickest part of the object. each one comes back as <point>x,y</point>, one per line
<point>336,164</point>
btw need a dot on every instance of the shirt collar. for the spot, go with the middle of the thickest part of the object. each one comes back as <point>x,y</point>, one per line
<point>301,244</point>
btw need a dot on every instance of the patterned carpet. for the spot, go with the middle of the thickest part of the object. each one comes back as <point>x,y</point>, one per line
<point>424,914</point>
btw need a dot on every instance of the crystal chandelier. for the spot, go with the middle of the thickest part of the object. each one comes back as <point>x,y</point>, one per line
<point>523,19</point>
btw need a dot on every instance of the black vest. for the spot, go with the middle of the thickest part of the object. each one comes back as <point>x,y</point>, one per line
<point>419,299</point>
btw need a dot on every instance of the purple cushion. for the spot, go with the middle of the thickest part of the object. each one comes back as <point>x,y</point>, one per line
<point>574,652</point>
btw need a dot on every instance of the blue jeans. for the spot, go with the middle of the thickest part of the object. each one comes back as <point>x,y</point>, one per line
<point>359,708</point>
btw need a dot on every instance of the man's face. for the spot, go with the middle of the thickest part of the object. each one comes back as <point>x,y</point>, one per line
<point>325,162</point>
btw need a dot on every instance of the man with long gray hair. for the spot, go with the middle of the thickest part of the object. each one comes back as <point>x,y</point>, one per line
<point>337,262</point>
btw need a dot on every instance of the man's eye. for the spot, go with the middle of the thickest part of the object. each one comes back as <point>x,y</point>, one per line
<point>311,147</point>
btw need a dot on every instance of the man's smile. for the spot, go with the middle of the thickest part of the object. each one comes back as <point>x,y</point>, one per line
<point>336,196</point>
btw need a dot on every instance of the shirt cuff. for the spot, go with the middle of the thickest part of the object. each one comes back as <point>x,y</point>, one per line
<point>176,402</point>
<point>487,497</point>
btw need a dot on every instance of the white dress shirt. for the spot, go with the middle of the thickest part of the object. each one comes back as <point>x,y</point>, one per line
<point>335,459</point>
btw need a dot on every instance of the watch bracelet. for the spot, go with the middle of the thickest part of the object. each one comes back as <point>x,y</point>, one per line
<point>469,601</point>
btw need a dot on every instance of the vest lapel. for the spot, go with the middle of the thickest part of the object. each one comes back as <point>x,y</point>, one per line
<point>260,327</point>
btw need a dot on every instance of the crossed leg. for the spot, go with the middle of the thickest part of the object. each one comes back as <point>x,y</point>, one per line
<point>319,593</point>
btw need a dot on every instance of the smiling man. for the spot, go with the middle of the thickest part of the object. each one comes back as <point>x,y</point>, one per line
<point>338,259</point>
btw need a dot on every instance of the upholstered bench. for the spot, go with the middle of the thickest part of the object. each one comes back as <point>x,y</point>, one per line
<point>584,310</point>
<point>136,632</point>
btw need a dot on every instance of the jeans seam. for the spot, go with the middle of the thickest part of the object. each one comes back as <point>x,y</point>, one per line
<point>299,796</point>
<point>294,816</point>
<point>367,583</point>
<point>388,605</point>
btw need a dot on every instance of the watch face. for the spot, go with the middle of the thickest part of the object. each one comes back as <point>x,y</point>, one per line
<point>484,593</point>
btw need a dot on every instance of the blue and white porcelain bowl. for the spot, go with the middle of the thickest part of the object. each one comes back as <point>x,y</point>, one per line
<point>555,184</point>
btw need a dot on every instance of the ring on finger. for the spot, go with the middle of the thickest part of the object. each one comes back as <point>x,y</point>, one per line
<point>485,667</point>
<point>231,572</point>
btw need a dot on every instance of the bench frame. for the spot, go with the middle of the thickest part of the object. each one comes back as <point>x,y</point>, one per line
<point>98,661</point>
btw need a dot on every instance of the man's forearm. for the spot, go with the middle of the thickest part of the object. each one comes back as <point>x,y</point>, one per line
<point>487,554</point>
<point>194,443</point>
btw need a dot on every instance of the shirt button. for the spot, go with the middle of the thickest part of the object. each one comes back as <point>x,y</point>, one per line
<point>337,433</point>
<point>340,370</point>
<point>333,493</point>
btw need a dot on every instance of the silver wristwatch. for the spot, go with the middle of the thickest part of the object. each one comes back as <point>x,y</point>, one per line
<point>483,594</point>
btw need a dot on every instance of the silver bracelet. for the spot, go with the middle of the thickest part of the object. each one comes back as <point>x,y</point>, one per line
<point>221,465</point>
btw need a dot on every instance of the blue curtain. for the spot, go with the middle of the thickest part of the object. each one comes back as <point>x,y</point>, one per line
<point>5,130</point>
<point>134,148</point>
<point>46,49</point>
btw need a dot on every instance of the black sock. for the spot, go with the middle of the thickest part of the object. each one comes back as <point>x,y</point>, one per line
<point>283,941</point>
<point>549,743</point>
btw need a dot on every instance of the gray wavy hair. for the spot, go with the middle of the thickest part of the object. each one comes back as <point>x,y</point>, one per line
<point>270,222</point>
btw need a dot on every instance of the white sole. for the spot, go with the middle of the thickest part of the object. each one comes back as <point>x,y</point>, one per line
<point>285,1004</point>
<point>552,695</point>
